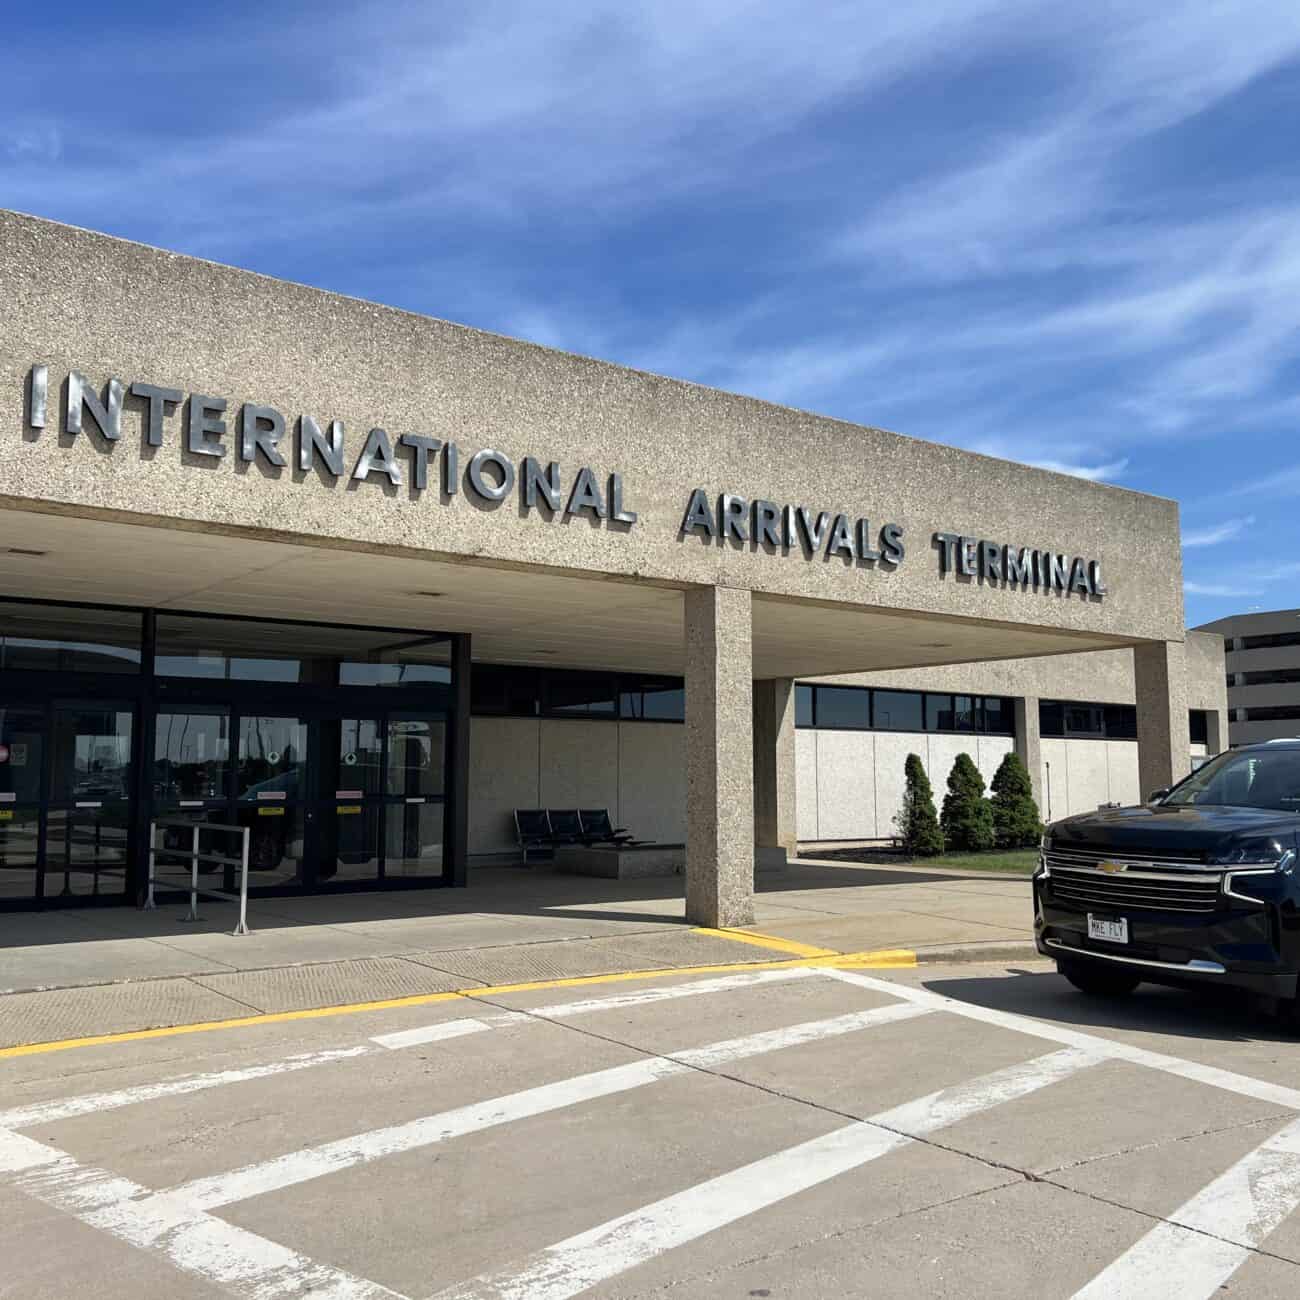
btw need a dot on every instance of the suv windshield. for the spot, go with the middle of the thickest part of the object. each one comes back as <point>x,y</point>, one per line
<point>1257,778</point>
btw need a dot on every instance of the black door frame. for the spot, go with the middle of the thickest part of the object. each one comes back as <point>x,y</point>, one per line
<point>315,706</point>
<point>145,693</point>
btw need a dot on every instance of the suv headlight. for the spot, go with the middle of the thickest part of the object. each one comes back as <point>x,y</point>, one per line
<point>1257,883</point>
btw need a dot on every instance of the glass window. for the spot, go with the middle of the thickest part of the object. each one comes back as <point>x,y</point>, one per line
<point>353,754</point>
<point>1274,713</point>
<point>19,835</point>
<point>965,712</point>
<point>505,690</point>
<point>1198,726</point>
<point>847,708</point>
<point>1268,778</point>
<point>1270,641</point>
<point>897,710</point>
<point>191,755</point>
<point>92,753</point>
<point>652,699</point>
<point>86,850</point>
<point>382,658</point>
<point>416,756</point>
<point>999,716</point>
<point>580,694</point>
<point>316,654</point>
<point>275,843</point>
<point>1121,721</point>
<point>272,761</point>
<point>1051,718</point>
<point>1071,718</point>
<point>61,638</point>
<point>803,705</point>
<point>1083,720</point>
<point>1268,677</point>
<point>22,736</point>
<point>939,713</point>
<point>413,840</point>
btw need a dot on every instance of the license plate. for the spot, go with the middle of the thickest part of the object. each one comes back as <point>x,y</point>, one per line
<point>1103,927</point>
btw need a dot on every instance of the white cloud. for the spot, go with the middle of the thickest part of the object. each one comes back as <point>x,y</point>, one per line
<point>1217,533</point>
<point>1280,483</point>
<point>1225,590</point>
<point>1094,473</point>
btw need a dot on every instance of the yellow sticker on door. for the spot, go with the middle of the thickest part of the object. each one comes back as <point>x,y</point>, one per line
<point>270,812</point>
<point>347,809</point>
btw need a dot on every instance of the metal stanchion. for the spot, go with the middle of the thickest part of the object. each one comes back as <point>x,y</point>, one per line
<point>149,904</point>
<point>197,856</point>
<point>242,927</point>
<point>194,876</point>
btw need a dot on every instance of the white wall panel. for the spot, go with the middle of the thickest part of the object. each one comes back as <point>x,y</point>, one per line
<point>992,750</point>
<point>579,762</point>
<point>943,752</point>
<point>1122,761</point>
<point>1056,780</point>
<point>1089,775</point>
<point>652,781</point>
<point>846,785</point>
<point>503,776</point>
<point>805,767</point>
<point>892,749</point>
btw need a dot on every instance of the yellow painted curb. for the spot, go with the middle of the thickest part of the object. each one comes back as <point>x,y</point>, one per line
<point>771,941</point>
<point>884,959</point>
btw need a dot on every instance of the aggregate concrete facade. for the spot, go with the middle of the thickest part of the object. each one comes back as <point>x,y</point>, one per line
<point>107,308</point>
<point>258,368</point>
<point>719,758</point>
<point>1160,680</point>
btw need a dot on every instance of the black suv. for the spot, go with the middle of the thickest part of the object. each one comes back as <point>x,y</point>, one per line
<point>1197,887</point>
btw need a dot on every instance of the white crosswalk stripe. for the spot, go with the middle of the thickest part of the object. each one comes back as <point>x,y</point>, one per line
<point>50,1112</point>
<point>332,1157</point>
<point>1243,1085</point>
<point>245,1264</point>
<point>1205,1241</point>
<point>1189,1256</point>
<point>572,1266</point>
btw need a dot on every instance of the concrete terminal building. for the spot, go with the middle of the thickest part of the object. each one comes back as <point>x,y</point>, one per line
<point>366,581</point>
<point>1262,663</point>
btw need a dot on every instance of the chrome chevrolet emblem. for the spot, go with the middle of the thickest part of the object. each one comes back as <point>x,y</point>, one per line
<point>1110,868</point>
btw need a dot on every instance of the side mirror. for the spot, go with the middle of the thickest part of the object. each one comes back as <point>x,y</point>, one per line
<point>1156,795</point>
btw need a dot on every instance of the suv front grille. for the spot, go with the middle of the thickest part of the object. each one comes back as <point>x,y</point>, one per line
<point>1144,885</point>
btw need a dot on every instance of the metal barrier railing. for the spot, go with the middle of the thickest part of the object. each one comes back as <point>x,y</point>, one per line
<point>195,857</point>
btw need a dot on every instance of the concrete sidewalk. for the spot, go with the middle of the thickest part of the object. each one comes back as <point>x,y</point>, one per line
<point>89,972</point>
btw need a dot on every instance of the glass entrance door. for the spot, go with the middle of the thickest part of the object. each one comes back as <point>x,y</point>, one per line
<point>414,795</point>
<point>88,823</point>
<point>22,753</point>
<point>350,809</point>
<point>271,794</point>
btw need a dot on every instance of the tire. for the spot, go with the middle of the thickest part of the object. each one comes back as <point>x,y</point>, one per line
<point>1099,981</point>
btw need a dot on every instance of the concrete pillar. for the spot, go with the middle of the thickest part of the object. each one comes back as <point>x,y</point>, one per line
<point>719,757</point>
<point>774,773</point>
<point>1029,747</point>
<point>1164,746</point>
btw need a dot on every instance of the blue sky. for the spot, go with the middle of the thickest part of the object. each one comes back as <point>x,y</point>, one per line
<point>1065,234</point>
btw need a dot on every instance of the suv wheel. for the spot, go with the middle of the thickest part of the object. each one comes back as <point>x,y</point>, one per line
<point>1099,981</point>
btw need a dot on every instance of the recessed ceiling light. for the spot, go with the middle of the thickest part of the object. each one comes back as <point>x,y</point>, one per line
<point>433,595</point>
<point>936,645</point>
<point>22,550</point>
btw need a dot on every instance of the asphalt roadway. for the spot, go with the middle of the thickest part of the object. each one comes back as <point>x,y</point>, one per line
<point>797,1131</point>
